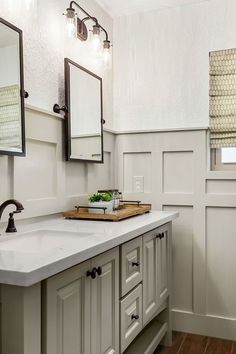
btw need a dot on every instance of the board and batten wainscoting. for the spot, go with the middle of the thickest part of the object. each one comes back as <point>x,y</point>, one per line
<point>43,181</point>
<point>174,168</point>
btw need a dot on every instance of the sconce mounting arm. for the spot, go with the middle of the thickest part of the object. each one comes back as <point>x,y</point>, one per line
<point>89,17</point>
<point>84,11</point>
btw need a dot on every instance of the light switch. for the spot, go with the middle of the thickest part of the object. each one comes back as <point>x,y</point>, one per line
<point>138,184</point>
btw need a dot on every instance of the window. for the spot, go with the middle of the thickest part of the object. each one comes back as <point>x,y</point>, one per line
<point>222,112</point>
<point>228,155</point>
<point>223,159</point>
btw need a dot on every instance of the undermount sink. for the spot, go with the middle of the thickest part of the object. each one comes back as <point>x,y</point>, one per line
<point>40,241</point>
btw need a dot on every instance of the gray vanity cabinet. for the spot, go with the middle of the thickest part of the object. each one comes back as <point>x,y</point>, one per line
<point>81,308</point>
<point>101,306</point>
<point>118,302</point>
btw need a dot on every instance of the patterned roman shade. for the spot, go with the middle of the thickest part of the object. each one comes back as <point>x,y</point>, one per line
<point>10,130</point>
<point>223,98</point>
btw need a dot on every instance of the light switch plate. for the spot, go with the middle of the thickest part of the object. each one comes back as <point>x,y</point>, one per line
<point>138,184</point>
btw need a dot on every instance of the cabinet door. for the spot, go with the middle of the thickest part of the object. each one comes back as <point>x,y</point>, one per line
<point>163,244</point>
<point>150,276</point>
<point>105,304</point>
<point>66,312</point>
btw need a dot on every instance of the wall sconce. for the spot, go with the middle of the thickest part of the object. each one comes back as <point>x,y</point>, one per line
<point>77,27</point>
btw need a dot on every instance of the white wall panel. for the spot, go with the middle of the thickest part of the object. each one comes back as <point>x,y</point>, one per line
<point>204,262</point>
<point>221,266</point>
<point>101,176</point>
<point>221,186</point>
<point>36,174</point>
<point>178,172</point>
<point>137,165</point>
<point>76,179</point>
<point>182,258</point>
<point>43,181</point>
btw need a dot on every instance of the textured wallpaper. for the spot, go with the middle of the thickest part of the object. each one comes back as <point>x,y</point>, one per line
<point>46,44</point>
<point>161,69</point>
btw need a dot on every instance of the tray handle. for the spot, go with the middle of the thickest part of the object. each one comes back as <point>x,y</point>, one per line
<point>78,207</point>
<point>131,201</point>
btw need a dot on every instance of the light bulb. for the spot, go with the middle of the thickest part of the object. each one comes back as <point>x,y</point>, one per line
<point>96,40</point>
<point>71,27</point>
<point>107,54</point>
<point>71,21</point>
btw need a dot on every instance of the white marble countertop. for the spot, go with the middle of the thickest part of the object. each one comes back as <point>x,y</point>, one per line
<point>25,266</point>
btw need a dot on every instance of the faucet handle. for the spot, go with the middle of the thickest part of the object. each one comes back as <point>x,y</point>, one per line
<point>11,223</point>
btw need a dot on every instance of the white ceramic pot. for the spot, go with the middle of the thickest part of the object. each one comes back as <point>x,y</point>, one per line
<point>108,205</point>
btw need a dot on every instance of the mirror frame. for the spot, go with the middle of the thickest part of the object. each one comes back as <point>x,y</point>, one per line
<point>22,91</point>
<point>67,63</point>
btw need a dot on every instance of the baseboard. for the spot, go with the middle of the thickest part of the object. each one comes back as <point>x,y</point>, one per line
<point>204,325</point>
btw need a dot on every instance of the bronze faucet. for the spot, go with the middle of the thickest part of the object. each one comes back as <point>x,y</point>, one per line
<point>11,222</point>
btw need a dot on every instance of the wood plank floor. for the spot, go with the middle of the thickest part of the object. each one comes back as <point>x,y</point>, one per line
<point>184,343</point>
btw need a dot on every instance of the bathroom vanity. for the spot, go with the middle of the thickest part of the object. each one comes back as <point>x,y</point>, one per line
<point>81,287</point>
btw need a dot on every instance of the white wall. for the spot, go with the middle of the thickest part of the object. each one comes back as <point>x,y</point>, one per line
<point>163,56</point>
<point>173,167</point>
<point>42,181</point>
<point>46,44</point>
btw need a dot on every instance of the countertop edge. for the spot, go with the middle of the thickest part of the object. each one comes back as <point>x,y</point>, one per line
<point>26,279</point>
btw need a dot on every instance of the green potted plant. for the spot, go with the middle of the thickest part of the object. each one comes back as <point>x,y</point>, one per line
<point>101,200</point>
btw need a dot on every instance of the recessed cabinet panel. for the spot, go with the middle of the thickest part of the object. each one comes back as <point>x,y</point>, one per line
<point>69,299</point>
<point>67,312</point>
<point>131,265</point>
<point>150,276</point>
<point>105,304</point>
<point>131,317</point>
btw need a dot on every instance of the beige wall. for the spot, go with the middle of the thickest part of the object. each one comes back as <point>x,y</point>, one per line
<point>174,168</point>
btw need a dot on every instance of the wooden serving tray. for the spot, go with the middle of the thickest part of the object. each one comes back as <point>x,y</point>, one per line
<point>125,211</point>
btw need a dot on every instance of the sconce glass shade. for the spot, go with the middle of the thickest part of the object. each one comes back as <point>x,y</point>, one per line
<point>71,21</point>
<point>96,40</point>
<point>107,56</point>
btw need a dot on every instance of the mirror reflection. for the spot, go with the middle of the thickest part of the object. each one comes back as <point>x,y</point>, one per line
<point>84,102</point>
<point>11,80</point>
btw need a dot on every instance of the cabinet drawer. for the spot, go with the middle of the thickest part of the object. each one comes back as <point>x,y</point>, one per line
<point>130,317</point>
<point>131,265</point>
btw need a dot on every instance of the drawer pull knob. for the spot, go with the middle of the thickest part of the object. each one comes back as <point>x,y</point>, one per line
<point>92,273</point>
<point>135,317</point>
<point>135,264</point>
<point>160,236</point>
<point>99,270</point>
